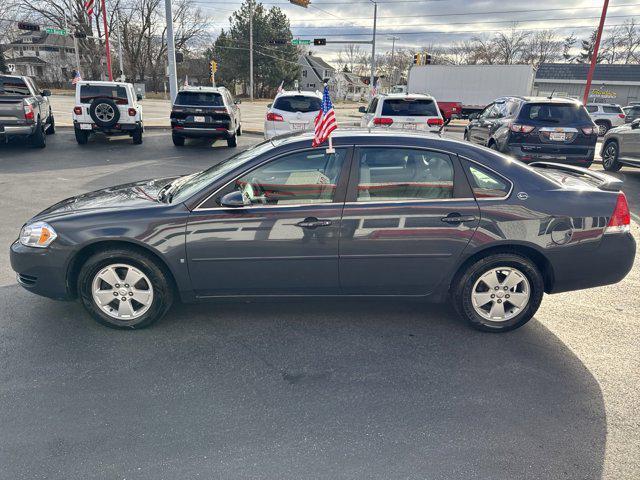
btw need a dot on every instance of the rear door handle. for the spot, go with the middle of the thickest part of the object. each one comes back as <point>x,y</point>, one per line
<point>457,218</point>
<point>312,222</point>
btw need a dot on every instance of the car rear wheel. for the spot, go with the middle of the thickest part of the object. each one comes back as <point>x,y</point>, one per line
<point>610,157</point>
<point>499,292</point>
<point>82,136</point>
<point>232,141</point>
<point>137,137</point>
<point>51,129</point>
<point>123,288</point>
<point>178,141</point>
<point>603,127</point>
<point>38,139</point>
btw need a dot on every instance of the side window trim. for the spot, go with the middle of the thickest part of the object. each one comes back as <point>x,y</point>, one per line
<point>338,197</point>
<point>461,186</point>
<point>466,161</point>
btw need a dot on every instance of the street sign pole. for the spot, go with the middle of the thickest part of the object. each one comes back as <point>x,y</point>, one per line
<point>171,52</point>
<point>251,53</point>
<point>373,46</point>
<point>594,57</point>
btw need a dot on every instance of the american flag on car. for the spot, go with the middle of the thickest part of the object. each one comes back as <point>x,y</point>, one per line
<point>325,122</point>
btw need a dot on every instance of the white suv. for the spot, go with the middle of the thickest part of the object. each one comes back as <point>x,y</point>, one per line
<point>605,116</point>
<point>292,111</point>
<point>400,110</point>
<point>110,108</point>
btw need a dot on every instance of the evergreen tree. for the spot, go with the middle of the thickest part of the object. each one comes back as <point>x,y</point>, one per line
<point>3,64</point>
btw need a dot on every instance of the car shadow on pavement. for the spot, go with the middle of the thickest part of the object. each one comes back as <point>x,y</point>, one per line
<point>292,389</point>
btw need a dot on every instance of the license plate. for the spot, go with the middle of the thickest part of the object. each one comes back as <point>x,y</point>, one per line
<point>410,126</point>
<point>85,126</point>
<point>558,136</point>
<point>298,126</point>
<point>198,119</point>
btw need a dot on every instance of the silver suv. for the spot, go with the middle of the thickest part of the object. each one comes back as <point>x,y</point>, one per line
<point>605,116</point>
<point>621,146</point>
<point>399,110</point>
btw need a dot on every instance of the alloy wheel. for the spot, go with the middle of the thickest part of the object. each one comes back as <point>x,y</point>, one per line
<point>609,156</point>
<point>500,294</point>
<point>105,112</point>
<point>122,291</point>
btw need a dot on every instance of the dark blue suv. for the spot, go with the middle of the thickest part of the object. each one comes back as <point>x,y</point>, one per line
<point>536,128</point>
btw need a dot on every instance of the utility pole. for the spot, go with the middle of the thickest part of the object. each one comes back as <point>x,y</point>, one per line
<point>171,52</point>
<point>251,51</point>
<point>75,42</point>
<point>106,39</point>
<point>393,38</point>
<point>119,44</point>
<point>594,57</point>
<point>373,45</point>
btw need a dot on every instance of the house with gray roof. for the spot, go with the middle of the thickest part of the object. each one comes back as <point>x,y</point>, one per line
<point>313,72</point>
<point>612,83</point>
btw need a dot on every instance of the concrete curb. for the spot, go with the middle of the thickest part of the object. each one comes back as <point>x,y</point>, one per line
<point>165,127</point>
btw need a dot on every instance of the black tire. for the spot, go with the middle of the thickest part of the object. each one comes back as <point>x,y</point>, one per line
<point>162,288</point>
<point>137,137</point>
<point>463,288</point>
<point>108,104</point>
<point>610,153</point>
<point>239,130</point>
<point>493,146</point>
<point>603,127</point>
<point>465,136</point>
<point>178,141</point>
<point>82,136</point>
<point>232,141</point>
<point>38,139</point>
<point>51,129</point>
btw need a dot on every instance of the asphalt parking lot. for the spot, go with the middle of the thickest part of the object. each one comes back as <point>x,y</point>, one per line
<point>306,389</point>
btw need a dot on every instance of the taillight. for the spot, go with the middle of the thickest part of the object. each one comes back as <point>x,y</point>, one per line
<point>132,112</point>
<point>29,114</point>
<point>433,122</point>
<point>274,117</point>
<point>589,130</point>
<point>621,115</point>
<point>519,128</point>
<point>620,220</point>
<point>77,110</point>
<point>382,121</point>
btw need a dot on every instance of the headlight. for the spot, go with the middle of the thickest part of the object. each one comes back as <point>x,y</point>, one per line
<point>38,234</point>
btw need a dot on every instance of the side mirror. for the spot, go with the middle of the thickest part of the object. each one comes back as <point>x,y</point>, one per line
<point>46,93</point>
<point>269,105</point>
<point>237,102</point>
<point>138,97</point>
<point>362,109</point>
<point>234,199</point>
<point>635,124</point>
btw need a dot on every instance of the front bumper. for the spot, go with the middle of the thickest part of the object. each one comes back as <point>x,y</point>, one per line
<point>195,132</point>
<point>42,271</point>
<point>609,263</point>
<point>559,154</point>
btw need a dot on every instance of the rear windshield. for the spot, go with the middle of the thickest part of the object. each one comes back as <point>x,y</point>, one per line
<point>200,99</point>
<point>409,107</point>
<point>554,113</point>
<point>88,93</point>
<point>298,103</point>
<point>13,87</point>
<point>612,109</point>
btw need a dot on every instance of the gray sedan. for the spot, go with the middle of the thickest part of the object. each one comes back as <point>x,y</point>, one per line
<point>621,146</point>
<point>390,214</point>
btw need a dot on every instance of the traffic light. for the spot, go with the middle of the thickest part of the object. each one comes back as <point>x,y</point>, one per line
<point>79,35</point>
<point>319,41</point>
<point>416,59</point>
<point>427,59</point>
<point>28,26</point>
<point>213,68</point>
<point>300,3</point>
<point>278,41</point>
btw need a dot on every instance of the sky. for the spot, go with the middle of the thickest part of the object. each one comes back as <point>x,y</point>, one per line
<point>421,23</point>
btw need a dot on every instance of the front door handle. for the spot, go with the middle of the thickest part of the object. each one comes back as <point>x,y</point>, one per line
<point>457,218</point>
<point>313,222</point>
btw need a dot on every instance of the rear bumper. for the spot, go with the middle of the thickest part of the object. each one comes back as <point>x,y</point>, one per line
<point>16,130</point>
<point>195,132</point>
<point>118,129</point>
<point>587,268</point>
<point>559,154</point>
<point>41,271</point>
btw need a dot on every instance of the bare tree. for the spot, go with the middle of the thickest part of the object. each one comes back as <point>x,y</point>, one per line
<point>510,45</point>
<point>544,46</point>
<point>349,56</point>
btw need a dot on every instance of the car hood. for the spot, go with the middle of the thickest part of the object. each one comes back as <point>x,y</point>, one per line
<point>130,195</point>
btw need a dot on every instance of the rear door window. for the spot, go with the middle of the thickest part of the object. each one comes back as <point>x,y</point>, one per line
<point>407,107</point>
<point>592,108</point>
<point>555,113</point>
<point>297,103</point>
<point>117,93</point>
<point>199,99</point>
<point>13,87</point>
<point>388,174</point>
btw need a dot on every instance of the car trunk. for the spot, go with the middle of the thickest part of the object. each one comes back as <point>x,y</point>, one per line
<point>409,113</point>
<point>201,117</point>
<point>297,112</point>
<point>12,110</point>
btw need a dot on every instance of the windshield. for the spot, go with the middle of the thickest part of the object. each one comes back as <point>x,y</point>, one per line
<point>408,107</point>
<point>199,99</point>
<point>117,93</point>
<point>555,113</point>
<point>198,181</point>
<point>298,103</point>
<point>13,87</point>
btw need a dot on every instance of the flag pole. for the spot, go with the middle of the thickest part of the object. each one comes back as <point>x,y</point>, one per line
<point>330,148</point>
<point>106,38</point>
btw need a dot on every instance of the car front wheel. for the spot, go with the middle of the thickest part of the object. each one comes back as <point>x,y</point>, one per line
<point>232,141</point>
<point>499,292</point>
<point>610,157</point>
<point>124,289</point>
<point>178,141</point>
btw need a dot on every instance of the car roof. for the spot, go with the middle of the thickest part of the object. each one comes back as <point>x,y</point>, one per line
<point>404,95</point>
<point>292,93</point>
<point>102,83</point>
<point>540,99</point>
<point>603,104</point>
<point>203,89</point>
